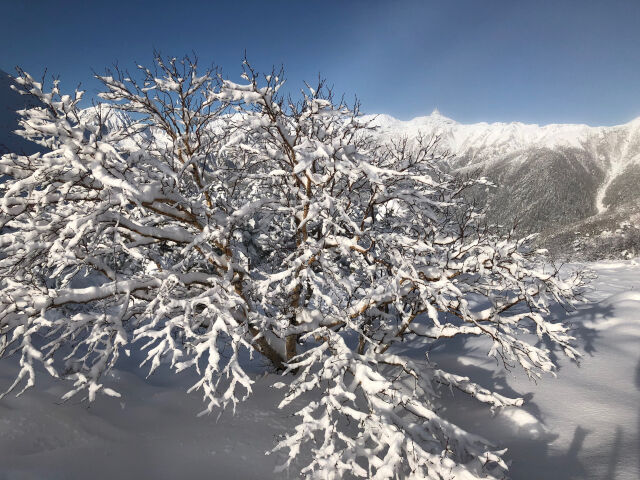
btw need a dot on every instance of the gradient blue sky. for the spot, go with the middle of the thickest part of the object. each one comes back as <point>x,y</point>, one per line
<point>531,61</point>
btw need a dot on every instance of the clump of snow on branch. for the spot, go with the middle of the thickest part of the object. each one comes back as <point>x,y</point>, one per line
<point>197,219</point>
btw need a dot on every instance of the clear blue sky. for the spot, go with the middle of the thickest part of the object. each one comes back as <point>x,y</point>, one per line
<point>533,61</point>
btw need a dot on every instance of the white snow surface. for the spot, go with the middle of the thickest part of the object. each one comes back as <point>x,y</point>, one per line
<point>500,137</point>
<point>584,424</point>
<point>614,147</point>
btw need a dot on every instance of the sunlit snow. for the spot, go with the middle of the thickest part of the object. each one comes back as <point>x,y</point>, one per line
<point>585,424</point>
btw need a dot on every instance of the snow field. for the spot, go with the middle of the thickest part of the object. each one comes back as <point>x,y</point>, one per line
<point>584,424</point>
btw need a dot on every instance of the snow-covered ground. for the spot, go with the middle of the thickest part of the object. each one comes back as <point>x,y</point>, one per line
<point>584,424</point>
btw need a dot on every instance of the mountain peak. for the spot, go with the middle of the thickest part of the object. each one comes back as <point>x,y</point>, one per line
<point>437,116</point>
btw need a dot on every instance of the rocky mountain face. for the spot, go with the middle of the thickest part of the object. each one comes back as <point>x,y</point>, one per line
<point>576,185</point>
<point>10,102</point>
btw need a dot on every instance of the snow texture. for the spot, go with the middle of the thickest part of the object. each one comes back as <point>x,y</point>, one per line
<point>549,175</point>
<point>585,424</point>
<point>161,229</point>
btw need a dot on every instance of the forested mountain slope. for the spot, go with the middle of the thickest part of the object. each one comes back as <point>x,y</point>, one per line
<point>550,179</point>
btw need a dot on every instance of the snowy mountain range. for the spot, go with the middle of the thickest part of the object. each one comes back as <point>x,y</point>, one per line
<point>568,182</point>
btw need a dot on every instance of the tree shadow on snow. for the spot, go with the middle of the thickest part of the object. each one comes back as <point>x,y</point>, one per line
<point>533,459</point>
<point>578,322</point>
<point>637,381</point>
<point>615,455</point>
<point>521,430</point>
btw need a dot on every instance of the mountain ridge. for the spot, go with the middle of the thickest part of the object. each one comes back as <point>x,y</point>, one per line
<point>549,176</point>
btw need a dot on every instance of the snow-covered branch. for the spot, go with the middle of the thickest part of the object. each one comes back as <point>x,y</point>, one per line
<point>194,217</point>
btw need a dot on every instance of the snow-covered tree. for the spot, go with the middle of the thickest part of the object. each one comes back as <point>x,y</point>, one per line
<point>196,218</point>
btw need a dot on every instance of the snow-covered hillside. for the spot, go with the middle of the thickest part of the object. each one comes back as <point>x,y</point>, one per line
<point>490,138</point>
<point>117,224</point>
<point>614,148</point>
<point>585,424</point>
<point>548,177</point>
